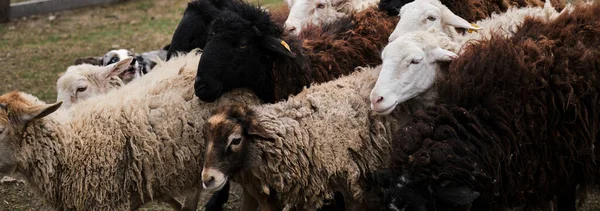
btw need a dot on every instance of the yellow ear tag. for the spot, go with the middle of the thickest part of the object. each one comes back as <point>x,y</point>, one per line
<point>472,30</point>
<point>286,46</point>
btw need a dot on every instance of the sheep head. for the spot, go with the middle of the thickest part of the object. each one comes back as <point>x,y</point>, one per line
<point>229,133</point>
<point>239,53</point>
<point>192,31</point>
<point>17,109</point>
<point>81,82</point>
<point>424,14</point>
<point>410,68</point>
<point>315,12</point>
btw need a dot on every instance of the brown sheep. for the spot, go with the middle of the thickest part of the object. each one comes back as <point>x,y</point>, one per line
<point>516,122</point>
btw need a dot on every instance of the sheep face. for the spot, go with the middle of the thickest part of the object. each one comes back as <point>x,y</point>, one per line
<point>230,132</point>
<point>237,55</point>
<point>424,14</point>
<point>315,12</point>
<point>16,110</point>
<point>84,81</point>
<point>409,69</point>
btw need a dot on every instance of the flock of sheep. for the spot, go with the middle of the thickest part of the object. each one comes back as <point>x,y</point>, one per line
<point>411,105</point>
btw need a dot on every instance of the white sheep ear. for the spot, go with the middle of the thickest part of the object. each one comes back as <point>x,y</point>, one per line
<point>450,18</point>
<point>39,111</point>
<point>440,55</point>
<point>116,68</point>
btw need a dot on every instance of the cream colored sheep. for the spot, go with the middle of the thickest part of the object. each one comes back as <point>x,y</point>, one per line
<point>298,152</point>
<point>117,151</point>
<point>84,81</point>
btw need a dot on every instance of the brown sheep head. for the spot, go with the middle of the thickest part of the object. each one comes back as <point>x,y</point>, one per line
<point>230,132</point>
<point>17,109</point>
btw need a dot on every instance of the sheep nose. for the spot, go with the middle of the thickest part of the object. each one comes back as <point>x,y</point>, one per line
<point>208,182</point>
<point>377,100</point>
<point>292,29</point>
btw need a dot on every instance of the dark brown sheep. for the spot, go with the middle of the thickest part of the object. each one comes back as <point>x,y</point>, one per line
<point>246,49</point>
<point>516,122</point>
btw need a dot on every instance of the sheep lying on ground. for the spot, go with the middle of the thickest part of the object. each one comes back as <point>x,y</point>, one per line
<point>248,50</point>
<point>140,65</point>
<point>298,152</point>
<point>192,31</point>
<point>318,12</point>
<point>116,151</point>
<point>516,121</point>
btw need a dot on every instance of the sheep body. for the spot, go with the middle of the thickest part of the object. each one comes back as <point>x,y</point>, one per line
<point>119,150</point>
<point>516,121</point>
<point>324,140</point>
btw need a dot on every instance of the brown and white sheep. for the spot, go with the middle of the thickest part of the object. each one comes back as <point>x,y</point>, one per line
<point>516,121</point>
<point>117,151</point>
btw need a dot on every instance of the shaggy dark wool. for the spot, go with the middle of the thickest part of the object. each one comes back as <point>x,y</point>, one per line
<point>245,51</point>
<point>517,118</point>
<point>327,52</point>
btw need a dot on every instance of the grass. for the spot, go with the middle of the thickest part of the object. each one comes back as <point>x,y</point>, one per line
<point>34,50</point>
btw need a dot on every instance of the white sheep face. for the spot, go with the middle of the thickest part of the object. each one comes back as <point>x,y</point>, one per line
<point>316,12</point>
<point>421,15</point>
<point>408,69</point>
<point>84,81</point>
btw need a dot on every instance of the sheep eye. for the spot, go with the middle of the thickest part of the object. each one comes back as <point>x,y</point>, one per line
<point>415,61</point>
<point>236,141</point>
<point>113,60</point>
<point>431,18</point>
<point>320,6</point>
<point>81,89</point>
<point>1,130</point>
<point>242,46</point>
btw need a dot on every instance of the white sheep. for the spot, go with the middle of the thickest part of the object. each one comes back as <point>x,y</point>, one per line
<point>411,65</point>
<point>299,152</point>
<point>319,12</point>
<point>116,151</point>
<point>423,14</point>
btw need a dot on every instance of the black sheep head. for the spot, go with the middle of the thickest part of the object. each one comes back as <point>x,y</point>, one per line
<point>192,31</point>
<point>239,53</point>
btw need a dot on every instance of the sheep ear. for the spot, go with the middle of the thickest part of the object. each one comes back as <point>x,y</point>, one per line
<point>39,111</point>
<point>117,68</point>
<point>457,195</point>
<point>89,60</point>
<point>441,55</point>
<point>458,22</point>
<point>278,46</point>
<point>255,129</point>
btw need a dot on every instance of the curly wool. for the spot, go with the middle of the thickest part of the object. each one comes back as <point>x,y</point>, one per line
<point>142,141</point>
<point>327,52</point>
<point>326,139</point>
<point>517,117</point>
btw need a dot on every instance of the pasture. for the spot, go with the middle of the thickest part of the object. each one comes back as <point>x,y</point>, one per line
<point>35,50</point>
